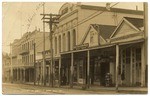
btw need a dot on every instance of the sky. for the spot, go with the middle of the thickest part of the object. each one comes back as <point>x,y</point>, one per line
<point>16,16</point>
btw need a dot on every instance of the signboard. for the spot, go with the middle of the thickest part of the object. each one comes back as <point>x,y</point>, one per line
<point>80,47</point>
<point>80,81</point>
<point>126,37</point>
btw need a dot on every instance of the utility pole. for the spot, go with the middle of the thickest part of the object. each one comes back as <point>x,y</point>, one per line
<point>11,70</point>
<point>34,65</point>
<point>52,19</point>
<point>44,65</point>
<point>145,50</point>
<point>51,51</point>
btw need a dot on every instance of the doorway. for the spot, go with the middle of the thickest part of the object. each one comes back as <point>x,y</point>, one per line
<point>104,69</point>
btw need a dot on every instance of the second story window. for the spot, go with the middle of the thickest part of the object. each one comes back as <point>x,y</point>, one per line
<point>59,41</point>
<point>55,45</point>
<point>74,38</point>
<point>64,42</point>
<point>68,41</point>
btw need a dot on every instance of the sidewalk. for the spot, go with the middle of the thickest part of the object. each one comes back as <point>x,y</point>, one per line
<point>97,89</point>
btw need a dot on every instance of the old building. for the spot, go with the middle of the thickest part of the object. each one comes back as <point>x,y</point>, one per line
<point>6,72</point>
<point>23,52</point>
<point>83,42</point>
<point>88,42</point>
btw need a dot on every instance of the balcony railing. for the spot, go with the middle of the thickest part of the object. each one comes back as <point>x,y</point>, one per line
<point>24,51</point>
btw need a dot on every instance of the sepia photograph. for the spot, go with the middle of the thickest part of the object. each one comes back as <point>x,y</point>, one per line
<point>74,48</point>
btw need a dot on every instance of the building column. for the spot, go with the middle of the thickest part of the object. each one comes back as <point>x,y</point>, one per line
<point>13,74</point>
<point>117,67</point>
<point>29,74</point>
<point>57,44</point>
<point>88,69</point>
<point>17,74</point>
<point>61,49</point>
<point>71,40</point>
<point>71,68</point>
<point>143,64</point>
<point>131,67</point>
<point>20,75</point>
<point>24,75</point>
<point>59,72</point>
<point>66,40</point>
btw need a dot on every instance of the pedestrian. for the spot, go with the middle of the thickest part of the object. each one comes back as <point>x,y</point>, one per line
<point>122,76</point>
<point>38,79</point>
<point>64,79</point>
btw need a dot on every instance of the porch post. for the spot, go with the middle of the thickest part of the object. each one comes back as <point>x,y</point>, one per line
<point>143,65</point>
<point>117,63</point>
<point>88,69</point>
<point>131,64</point>
<point>17,74</point>
<point>20,75</point>
<point>59,72</point>
<point>24,75</point>
<point>71,77</point>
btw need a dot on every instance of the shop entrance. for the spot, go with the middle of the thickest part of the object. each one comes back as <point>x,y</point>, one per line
<point>65,69</point>
<point>104,69</point>
<point>101,63</point>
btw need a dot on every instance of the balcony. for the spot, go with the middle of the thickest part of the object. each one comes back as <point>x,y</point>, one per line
<point>24,51</point>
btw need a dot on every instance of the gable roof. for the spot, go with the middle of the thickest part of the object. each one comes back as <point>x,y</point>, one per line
<point>137,22</point>
<point>105,30</point>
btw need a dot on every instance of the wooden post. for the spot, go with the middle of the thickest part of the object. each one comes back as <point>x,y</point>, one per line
<point>59,72</point>
<point>71,77</point>
<point>117,63</point>
<point>131,68</point>
<point>11,69</point>
<point>34,65</point>
<point>24,75</point>
<point>143,65</point>
<point>88,68</point>
<point>17,74</point>
<point>44,64</point>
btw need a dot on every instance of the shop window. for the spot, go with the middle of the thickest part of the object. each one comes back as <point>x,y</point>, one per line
<point>68,40</point>
<point>80,70</point>
<point>64,42</point>
<point>59,43</point>
<point>74,37</point>
<point>55,45</point>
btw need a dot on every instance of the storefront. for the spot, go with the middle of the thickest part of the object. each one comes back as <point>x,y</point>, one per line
<point>129,36</point>
<point>102,62</point>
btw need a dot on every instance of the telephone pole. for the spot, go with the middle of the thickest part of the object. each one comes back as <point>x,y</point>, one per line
<point>44,65</point>
<point>11,70</point>
<point>51,19</point>
<point>34,65</point>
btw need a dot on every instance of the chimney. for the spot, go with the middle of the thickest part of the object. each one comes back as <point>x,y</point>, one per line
<point>108,6</point>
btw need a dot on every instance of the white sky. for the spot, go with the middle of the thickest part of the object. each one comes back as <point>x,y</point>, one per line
<point>15,17</point>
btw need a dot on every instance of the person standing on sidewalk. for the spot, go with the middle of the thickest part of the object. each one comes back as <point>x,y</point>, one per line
<point>122,77</point>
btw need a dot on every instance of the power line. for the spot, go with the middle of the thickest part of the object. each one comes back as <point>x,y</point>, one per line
<point>14,21</point>
<point>33,15</point>
<point>96,14</point>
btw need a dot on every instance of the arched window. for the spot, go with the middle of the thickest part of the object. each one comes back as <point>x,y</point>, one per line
<point>55,45</point>
<point>74,37</point>
<point>64,42</point>
<point>68,41</point>
<point>59,43</point>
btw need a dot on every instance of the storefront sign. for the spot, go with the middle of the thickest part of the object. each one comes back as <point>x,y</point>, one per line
<point>80,81</point>
<point>126,37</point>
<point>80,47</point>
